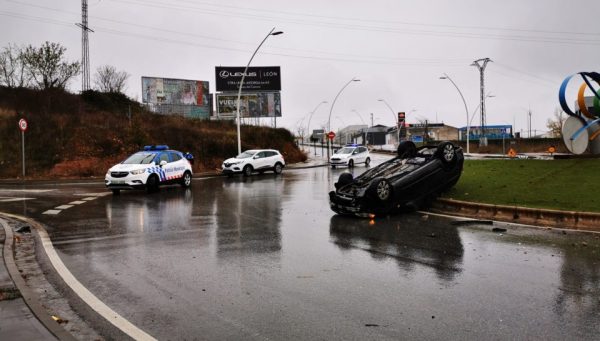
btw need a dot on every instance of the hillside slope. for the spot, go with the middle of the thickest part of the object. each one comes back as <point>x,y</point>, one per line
<point>83,135</point>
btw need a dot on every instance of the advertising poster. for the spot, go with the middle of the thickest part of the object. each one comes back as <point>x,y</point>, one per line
<point>176,96</point>
<point>251,105</point>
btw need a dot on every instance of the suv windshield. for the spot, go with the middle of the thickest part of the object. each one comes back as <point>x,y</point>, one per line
<point>346,150</point>
<point>140,158</point>
<point>245,154</point>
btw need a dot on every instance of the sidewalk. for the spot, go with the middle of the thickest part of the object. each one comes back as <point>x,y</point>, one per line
<point>17,322</point>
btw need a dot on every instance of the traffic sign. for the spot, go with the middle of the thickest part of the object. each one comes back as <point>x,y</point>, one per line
<point>331,135</point>
<point>22,124</point>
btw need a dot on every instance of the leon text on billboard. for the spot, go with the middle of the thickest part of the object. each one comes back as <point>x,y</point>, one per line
<point>258,78</point>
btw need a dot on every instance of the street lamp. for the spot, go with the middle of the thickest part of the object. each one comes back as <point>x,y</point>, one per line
<point>445,76</point>
<point>312,113</point>
<point>395,117</point>
<point>331,109</point>
<point>239,141</point>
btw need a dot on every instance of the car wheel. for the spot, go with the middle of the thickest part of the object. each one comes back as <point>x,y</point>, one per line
<point>343,180</point>
<point>333,166</point>
<point>186,181</point>
<point>116,191</point>
<point>351,163</point>
<point>152,183</point>
<point>381,189</point>
<point>367,161</point>
<point>446,152</point>
<point>407,150</point>
<point>248,170</point>
<point>278,168</point>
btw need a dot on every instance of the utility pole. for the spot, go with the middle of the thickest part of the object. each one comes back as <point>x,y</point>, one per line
<point>529,113</point>
<point>85,48</point>
<point>481,64</point>
<point>371,120</point>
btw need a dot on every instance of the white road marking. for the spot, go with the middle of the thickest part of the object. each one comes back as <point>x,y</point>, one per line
<point>9,199</point>
<point>53,212</point>
<point>93,194</point>
<point>100,307</point>
<point>27,190</point>
<point>89,198</point>
<point>63,207</point>
<point>77,202</point>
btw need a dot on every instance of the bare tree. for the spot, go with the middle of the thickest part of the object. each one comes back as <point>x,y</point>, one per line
<point>555,124</point>
<point>108,79</point>
<point>12,67</point>
<point>46,66</point>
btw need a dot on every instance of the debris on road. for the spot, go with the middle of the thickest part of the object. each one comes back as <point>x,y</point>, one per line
<point>498,229</point>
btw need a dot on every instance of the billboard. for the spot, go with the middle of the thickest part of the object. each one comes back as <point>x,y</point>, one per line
<point>258,78</point>
<point>176,96</point>
<point>264,104</point>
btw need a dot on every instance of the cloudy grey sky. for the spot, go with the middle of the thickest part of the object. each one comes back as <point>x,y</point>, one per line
<point>398,49</point>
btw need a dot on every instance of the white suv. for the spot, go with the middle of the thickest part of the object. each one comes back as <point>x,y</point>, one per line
<point>350,155</point>
<point>254,160</point>
<point>150,168</point>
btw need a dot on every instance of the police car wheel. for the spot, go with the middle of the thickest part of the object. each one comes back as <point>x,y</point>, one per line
<point>351,163</point>
<point>152,184</point>
<point>367,161</point>
<point>186,181</point>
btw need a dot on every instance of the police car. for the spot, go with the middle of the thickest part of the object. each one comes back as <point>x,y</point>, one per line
<point>350,155</point>
<point>149,169</point>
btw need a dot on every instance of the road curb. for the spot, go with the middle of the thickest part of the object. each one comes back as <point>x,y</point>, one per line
<point>572,220</point>
<point>28,294</point>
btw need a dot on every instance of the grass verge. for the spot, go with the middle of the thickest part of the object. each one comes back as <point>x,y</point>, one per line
<point>570,185</point>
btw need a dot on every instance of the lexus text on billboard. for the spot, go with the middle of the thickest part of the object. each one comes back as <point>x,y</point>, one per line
<point>251,105</point>
<point>258,78</point>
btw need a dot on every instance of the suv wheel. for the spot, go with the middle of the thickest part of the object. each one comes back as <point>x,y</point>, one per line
<point>278,168</point>
<point>351,163</point>
<point>367,161</point>
<point>152,183</point>
<point>248,170</point>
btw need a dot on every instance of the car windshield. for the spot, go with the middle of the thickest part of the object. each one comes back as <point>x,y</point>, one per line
<point>346,150</point>
<point>245,154</point>
<point>140,158</point>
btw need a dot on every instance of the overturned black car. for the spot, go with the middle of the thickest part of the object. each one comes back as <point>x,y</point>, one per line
<point>409,181</point>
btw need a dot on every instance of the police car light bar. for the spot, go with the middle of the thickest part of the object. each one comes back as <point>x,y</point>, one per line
<point>157,147</point>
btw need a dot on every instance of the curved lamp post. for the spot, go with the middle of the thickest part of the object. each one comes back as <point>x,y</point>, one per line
<point>395,117</point>
<point>445,76</point>
<point>312,113</point>
<point>354,79</point>
<point>237,115</point>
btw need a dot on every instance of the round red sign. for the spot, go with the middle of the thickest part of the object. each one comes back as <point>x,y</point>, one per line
<point>331,135</point>
<point>22,124</point>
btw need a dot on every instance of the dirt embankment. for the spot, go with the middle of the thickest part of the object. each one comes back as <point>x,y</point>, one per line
<point>83,135</point>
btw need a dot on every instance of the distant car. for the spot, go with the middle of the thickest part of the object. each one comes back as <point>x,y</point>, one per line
<point>149,169</point>
<point>350,155</point>
<point>409,181</point>
<point>254,160</point>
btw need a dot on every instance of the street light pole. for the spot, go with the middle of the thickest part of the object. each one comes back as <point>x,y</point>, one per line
<point>395,117</point>
<point>331,110</point>
<point>312,113</point>
<point>239,141</point>
<point>445,76</point>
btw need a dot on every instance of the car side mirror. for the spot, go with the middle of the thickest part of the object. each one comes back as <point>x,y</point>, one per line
<point>163,163</point>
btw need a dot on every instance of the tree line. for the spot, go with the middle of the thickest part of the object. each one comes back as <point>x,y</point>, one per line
<point>46,67</point>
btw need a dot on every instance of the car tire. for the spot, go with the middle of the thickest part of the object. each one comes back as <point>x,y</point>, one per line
<point>247,170</point>
<point>368,161</point>
<point>407,150</point>
<point>152,183</point>
<point>333,166</point>
<point>447,153</point>
<point>350,163</point>
<point>344,179</point>
<point>381,189</point>
<point>186,181</point>
<point>116,191</point>
<point>278,169</point>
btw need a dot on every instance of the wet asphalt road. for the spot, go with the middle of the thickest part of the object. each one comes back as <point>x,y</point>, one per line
<point>265,258</point>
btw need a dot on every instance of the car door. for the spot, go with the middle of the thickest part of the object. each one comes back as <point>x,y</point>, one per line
<point>261,160</point>
<point>176,167</point>
<point>361,155</point>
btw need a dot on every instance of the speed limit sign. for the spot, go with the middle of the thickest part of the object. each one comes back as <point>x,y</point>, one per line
<point>22,124</point>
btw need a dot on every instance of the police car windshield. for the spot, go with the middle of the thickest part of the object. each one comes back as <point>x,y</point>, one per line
<point>245,155</point>
<point>345,150</point>
<point>140,158</point>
